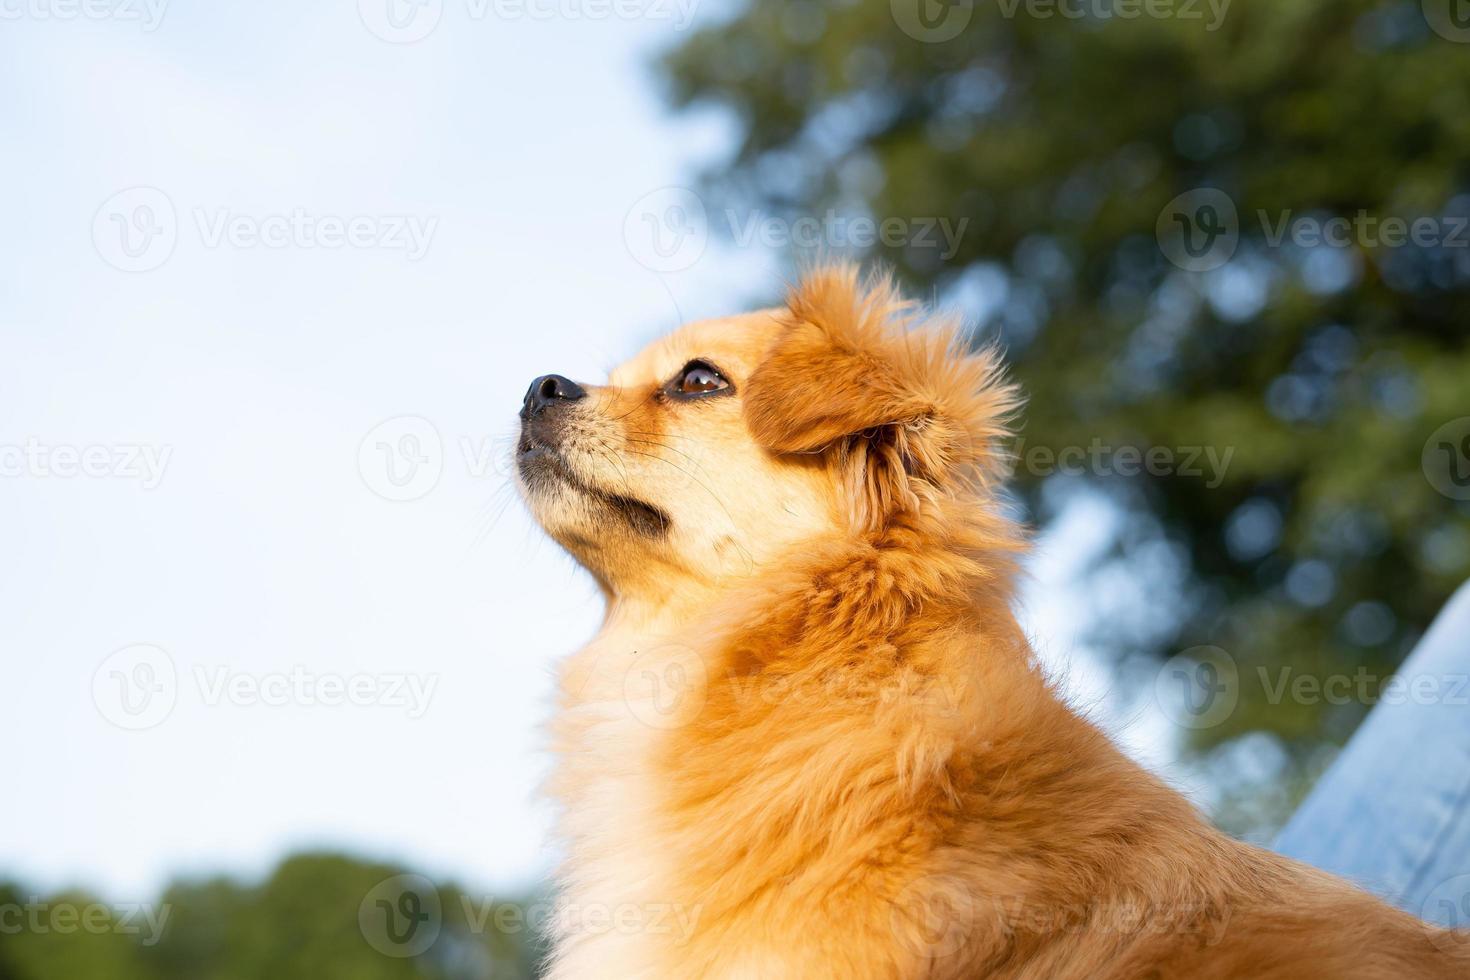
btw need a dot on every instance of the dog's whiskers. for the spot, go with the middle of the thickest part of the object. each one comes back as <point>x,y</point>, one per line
<point>649,442</point>
<point>607,452</point>
<point>749,558</point>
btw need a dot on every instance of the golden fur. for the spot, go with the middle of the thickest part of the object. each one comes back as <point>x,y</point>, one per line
<point>811,740</point>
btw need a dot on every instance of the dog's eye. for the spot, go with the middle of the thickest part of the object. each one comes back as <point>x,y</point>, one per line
<point>699,378</point>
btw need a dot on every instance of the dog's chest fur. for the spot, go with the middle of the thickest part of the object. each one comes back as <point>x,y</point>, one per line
<point>617,905</point>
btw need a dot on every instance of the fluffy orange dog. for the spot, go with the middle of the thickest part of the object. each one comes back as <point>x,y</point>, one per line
<point>810,739</point>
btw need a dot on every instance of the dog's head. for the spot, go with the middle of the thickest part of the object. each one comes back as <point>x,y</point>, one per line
<point>719,449</point>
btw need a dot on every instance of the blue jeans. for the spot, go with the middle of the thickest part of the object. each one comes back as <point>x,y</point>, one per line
<point>1392,813</point>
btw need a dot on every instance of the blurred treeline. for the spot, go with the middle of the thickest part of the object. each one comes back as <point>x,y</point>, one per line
<point>303,921</point>
<point>1059,140</point>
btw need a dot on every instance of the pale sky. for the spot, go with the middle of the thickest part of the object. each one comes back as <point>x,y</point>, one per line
<point>333,232</point>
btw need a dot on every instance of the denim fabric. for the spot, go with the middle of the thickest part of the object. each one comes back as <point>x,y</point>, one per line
<point>1392,813</point>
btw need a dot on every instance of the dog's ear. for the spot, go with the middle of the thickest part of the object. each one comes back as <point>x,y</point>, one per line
<point>907,410</point>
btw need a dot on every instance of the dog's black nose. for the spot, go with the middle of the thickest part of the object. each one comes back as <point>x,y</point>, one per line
<point>547,390</point>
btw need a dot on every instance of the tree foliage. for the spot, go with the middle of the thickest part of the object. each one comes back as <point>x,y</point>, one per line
<point>303,921</point>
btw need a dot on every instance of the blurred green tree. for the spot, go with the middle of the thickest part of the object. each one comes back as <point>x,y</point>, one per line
<point>316,916</point>
<point>48,937</point>
<point>1056,137</point>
